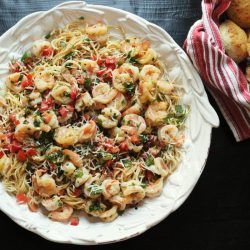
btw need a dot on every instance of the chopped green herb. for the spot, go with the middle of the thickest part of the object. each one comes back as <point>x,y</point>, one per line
<point>127,163</point>
<point>87,83</point>
<point>95,189</point>
<point>149,161</point>
<point>105,156</point>
<point>143,138</point>
<point>79,173</point>
<point>25,122</point>
<point>95,206</point>
<point>56,157</point>
<point>143,185</point>
<point>48,36</point>
<point>25,56</point>
<point>179,110</point>
<point>69,56</point>
<point>127,40</point>
<point>81,18</point>
<point>130,87</point>
<point>67,94</point>
<point>37,123</point>
<point>46,138</point>
<point>132,60</point>
<point>120,63</point>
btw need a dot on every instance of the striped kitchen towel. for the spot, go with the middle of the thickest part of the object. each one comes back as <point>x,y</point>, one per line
<point>220,73</point>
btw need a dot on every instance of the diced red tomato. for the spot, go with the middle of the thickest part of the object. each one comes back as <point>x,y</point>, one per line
<point>109,163</point>
<point>46,104</point>
<point>15,67</point>
<point>13,119</point>
<point>52,166</point>
<point>21,155</point>
<point>21,198</point>
<point>124,146</point>
<point>73,94</point>
<point>31,152</point>
<point>14,147</point>
<point>100,61</point>
<point>1,154</point>
<point>77,192</point>
<point>63,112</point>
<point>74,221</point>
<point>101,72</point>
<point>27,82</point>
<point>47,52</point>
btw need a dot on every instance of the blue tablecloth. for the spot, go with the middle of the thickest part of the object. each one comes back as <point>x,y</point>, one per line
<point>176,17</point>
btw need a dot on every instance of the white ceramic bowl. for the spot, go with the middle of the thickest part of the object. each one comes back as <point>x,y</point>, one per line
<point>198,133</point>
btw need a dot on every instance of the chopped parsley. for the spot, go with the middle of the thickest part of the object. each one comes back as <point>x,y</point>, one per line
<point>143,138</point>
<point>56,157</point>
<point>48,36</point>
<point>179,110</point>
<point>87,83</point>
<point>95,206</point>
<point>95,189</point>
<point>69,56</point>
<point>105,156</point>
<point>81,18</point>
<point>130,87</point>
<point>46,138</point>
<point>25,56</point>
<point>79,173</point>
<point>127,163</point>
<point>37,123</point>
<point>131,59</point>
<point>149,161</point>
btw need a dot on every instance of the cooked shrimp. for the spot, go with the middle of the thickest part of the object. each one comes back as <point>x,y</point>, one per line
<point>62,214</point>
<point>39,46</point>
<point>84,100</point>
<point>119,102</point>
<point>13,82</point>
<point>110,187</point>
<point>109,117</point>
<point>25,129</point>
<point>119,200</point>
<point>61,93</point>
<point>69,78</point>
<point>102,93</point>
<point>89,65</point>
<point>81,176</point>
<point>147,91</point>
<point>98,32</point>
<point>147,56</point>
<point>95,212</point>
<point>44,81</point>
<point>127,73</point>
<point>156,113</point>
<point>131,187</point>
<point>109,215</point>
<point>35,98</point>
<point>118,134</point>
<point>53,203</point>
<point>68,168</point>
<point>73,157</point>
<point>91,189</point>
<point>87,131</point>
<point>165,87</point>
<point>161,167</point>
<point>150,73</point>
<point>133,124</point>
<point>131,46</point>
<point>169,134</point>
<point>134,109</point>
<point>154,189</point>
<point>50,118</point>
<point>66,136</point>
<point>44,184</point>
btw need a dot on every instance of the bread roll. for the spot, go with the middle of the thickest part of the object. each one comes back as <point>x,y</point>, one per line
<point>248,42</point>
<point>239,12</point>
<point>234,40</point>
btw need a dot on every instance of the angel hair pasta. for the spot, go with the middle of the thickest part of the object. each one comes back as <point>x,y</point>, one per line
<point>89,122</point>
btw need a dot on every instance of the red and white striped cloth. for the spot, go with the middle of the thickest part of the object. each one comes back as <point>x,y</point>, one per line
<point>220,73</point>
